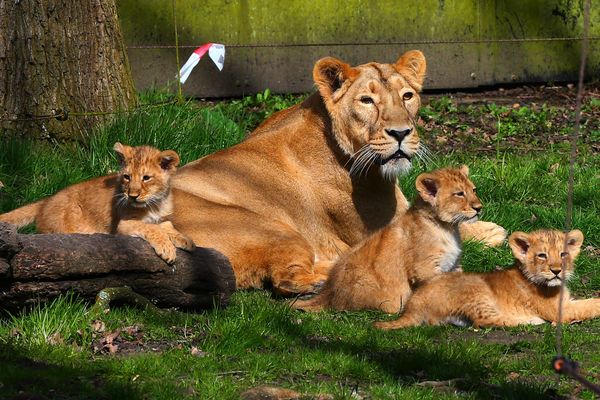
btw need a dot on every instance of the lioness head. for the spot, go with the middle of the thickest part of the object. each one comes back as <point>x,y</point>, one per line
<point>451,194</point>
<point>541,254</point>
<point>373,108</point>
<point>145,174</point>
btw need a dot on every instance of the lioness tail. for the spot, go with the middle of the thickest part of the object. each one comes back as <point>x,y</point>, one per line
<point>22,216</point>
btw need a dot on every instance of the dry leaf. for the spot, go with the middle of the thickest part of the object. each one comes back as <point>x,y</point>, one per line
<point>270,393</point>
<point>441,139</point>
<point>55,339</point>
<point>198,353</point>
<point>554,168</point>
<point>98,326</point>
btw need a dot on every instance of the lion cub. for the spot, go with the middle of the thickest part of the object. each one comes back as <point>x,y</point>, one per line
<point>381,272</point>
<point>526,294</point>
<point>134,201</point>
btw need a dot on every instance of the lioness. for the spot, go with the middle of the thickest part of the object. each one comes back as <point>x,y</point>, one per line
<point>381,272</point>
<point>312,180</point>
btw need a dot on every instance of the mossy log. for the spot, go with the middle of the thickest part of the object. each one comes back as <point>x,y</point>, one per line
<point>42,266</point>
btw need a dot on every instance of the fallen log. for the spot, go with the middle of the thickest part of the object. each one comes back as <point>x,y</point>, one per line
<point>42,266</point>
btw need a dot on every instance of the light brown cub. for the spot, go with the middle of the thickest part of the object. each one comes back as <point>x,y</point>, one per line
<point>381,272</point>
<point>133,202</point>
<point>526,294</point>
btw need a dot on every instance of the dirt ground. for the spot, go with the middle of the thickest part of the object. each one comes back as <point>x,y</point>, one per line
<point>517,119</point>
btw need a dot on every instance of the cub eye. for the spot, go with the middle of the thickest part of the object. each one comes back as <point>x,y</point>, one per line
<point>543,256</point>
<point>474,190</point>
<point>126,177</point>
<point>146,178</point>
<point>460,194</point>
<point>564,254</point>
<point>367,100</point>
<point>407,96</point>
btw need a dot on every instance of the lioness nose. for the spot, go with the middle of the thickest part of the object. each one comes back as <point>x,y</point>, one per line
<point>398,134</point>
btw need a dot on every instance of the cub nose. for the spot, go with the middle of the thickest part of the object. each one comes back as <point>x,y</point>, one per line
<point>556,271</point>
<point>399,134</point>
<point>477,208</point>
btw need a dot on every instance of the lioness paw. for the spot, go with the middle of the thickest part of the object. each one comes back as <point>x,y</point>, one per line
<point>488,233</point>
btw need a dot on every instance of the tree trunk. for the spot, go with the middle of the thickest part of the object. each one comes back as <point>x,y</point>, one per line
<point>40,267</point>
<point>58,55</point>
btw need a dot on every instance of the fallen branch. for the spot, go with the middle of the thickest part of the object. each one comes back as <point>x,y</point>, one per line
<point>41,267</point>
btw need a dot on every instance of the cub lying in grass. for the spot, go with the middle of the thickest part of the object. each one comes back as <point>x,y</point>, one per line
<point>133,202</point>
<point>380,273</point>
<point>526,294</point>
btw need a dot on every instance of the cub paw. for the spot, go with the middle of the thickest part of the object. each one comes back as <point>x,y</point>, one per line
<point>165,250</point>
<point>181,241</point>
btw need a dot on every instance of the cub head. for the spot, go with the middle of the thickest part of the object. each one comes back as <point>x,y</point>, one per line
<point>373,108</point>
<point>451,194</point>
<point>145,174</point>
<point>541,255</point>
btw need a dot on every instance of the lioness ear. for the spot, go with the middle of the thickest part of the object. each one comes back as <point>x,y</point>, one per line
<point>122,152</point>
<point>427,186</point>
<point>412,65</point>
<point>519,244</point>
<point>574,241</point>
<point>330,74</point>
<point>464,169</point>
<point>169,160</point>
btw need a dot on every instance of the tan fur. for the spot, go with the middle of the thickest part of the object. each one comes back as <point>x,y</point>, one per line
<point>133,202</point>
<point>381,273</point>
<point>311,181</point>
<point>526,294</point>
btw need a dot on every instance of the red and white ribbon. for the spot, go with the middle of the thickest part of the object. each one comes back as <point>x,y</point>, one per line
<point>215,51</point>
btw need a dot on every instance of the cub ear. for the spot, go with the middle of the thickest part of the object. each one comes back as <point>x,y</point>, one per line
<point>169,160</point>
<point>574,240</point>
<point>412,65</point>
<point>330,74</point>
<point>519,244</point>
<point>427,185</point>
<point>122,152</point>
<point>464,169</point>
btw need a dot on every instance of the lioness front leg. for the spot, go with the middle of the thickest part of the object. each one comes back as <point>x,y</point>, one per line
<point>153,234</point>
<point>489,233</point>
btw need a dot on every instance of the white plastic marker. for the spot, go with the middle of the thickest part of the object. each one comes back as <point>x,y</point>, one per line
<point>216,52</point>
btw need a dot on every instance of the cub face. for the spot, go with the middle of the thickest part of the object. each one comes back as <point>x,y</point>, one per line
<point>145,174</point>
<point>451,194</point>
<point>373,108</point>
<point>542,254</point>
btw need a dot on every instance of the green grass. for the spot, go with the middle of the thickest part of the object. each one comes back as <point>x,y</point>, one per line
<point>49,351</point>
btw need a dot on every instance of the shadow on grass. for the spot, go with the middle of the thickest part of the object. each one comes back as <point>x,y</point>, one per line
<point>25,378</point>
<point>438,367</point>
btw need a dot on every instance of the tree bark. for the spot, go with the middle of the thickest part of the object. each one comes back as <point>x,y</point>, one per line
<point>42,266</point>
<point>58,55</point>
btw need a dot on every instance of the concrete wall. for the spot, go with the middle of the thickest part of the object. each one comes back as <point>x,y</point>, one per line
<point>340,29</point>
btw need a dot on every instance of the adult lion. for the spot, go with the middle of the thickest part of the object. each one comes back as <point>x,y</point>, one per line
<point>312,180</point>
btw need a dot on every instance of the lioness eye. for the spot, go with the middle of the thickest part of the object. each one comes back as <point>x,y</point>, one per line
<point>407,96</point>
<point>542,255</point>
<point>366,100</point>
<point>146,178</point>
<point>126,177</point>
<point>563,254</point>
<point>460,194</point>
